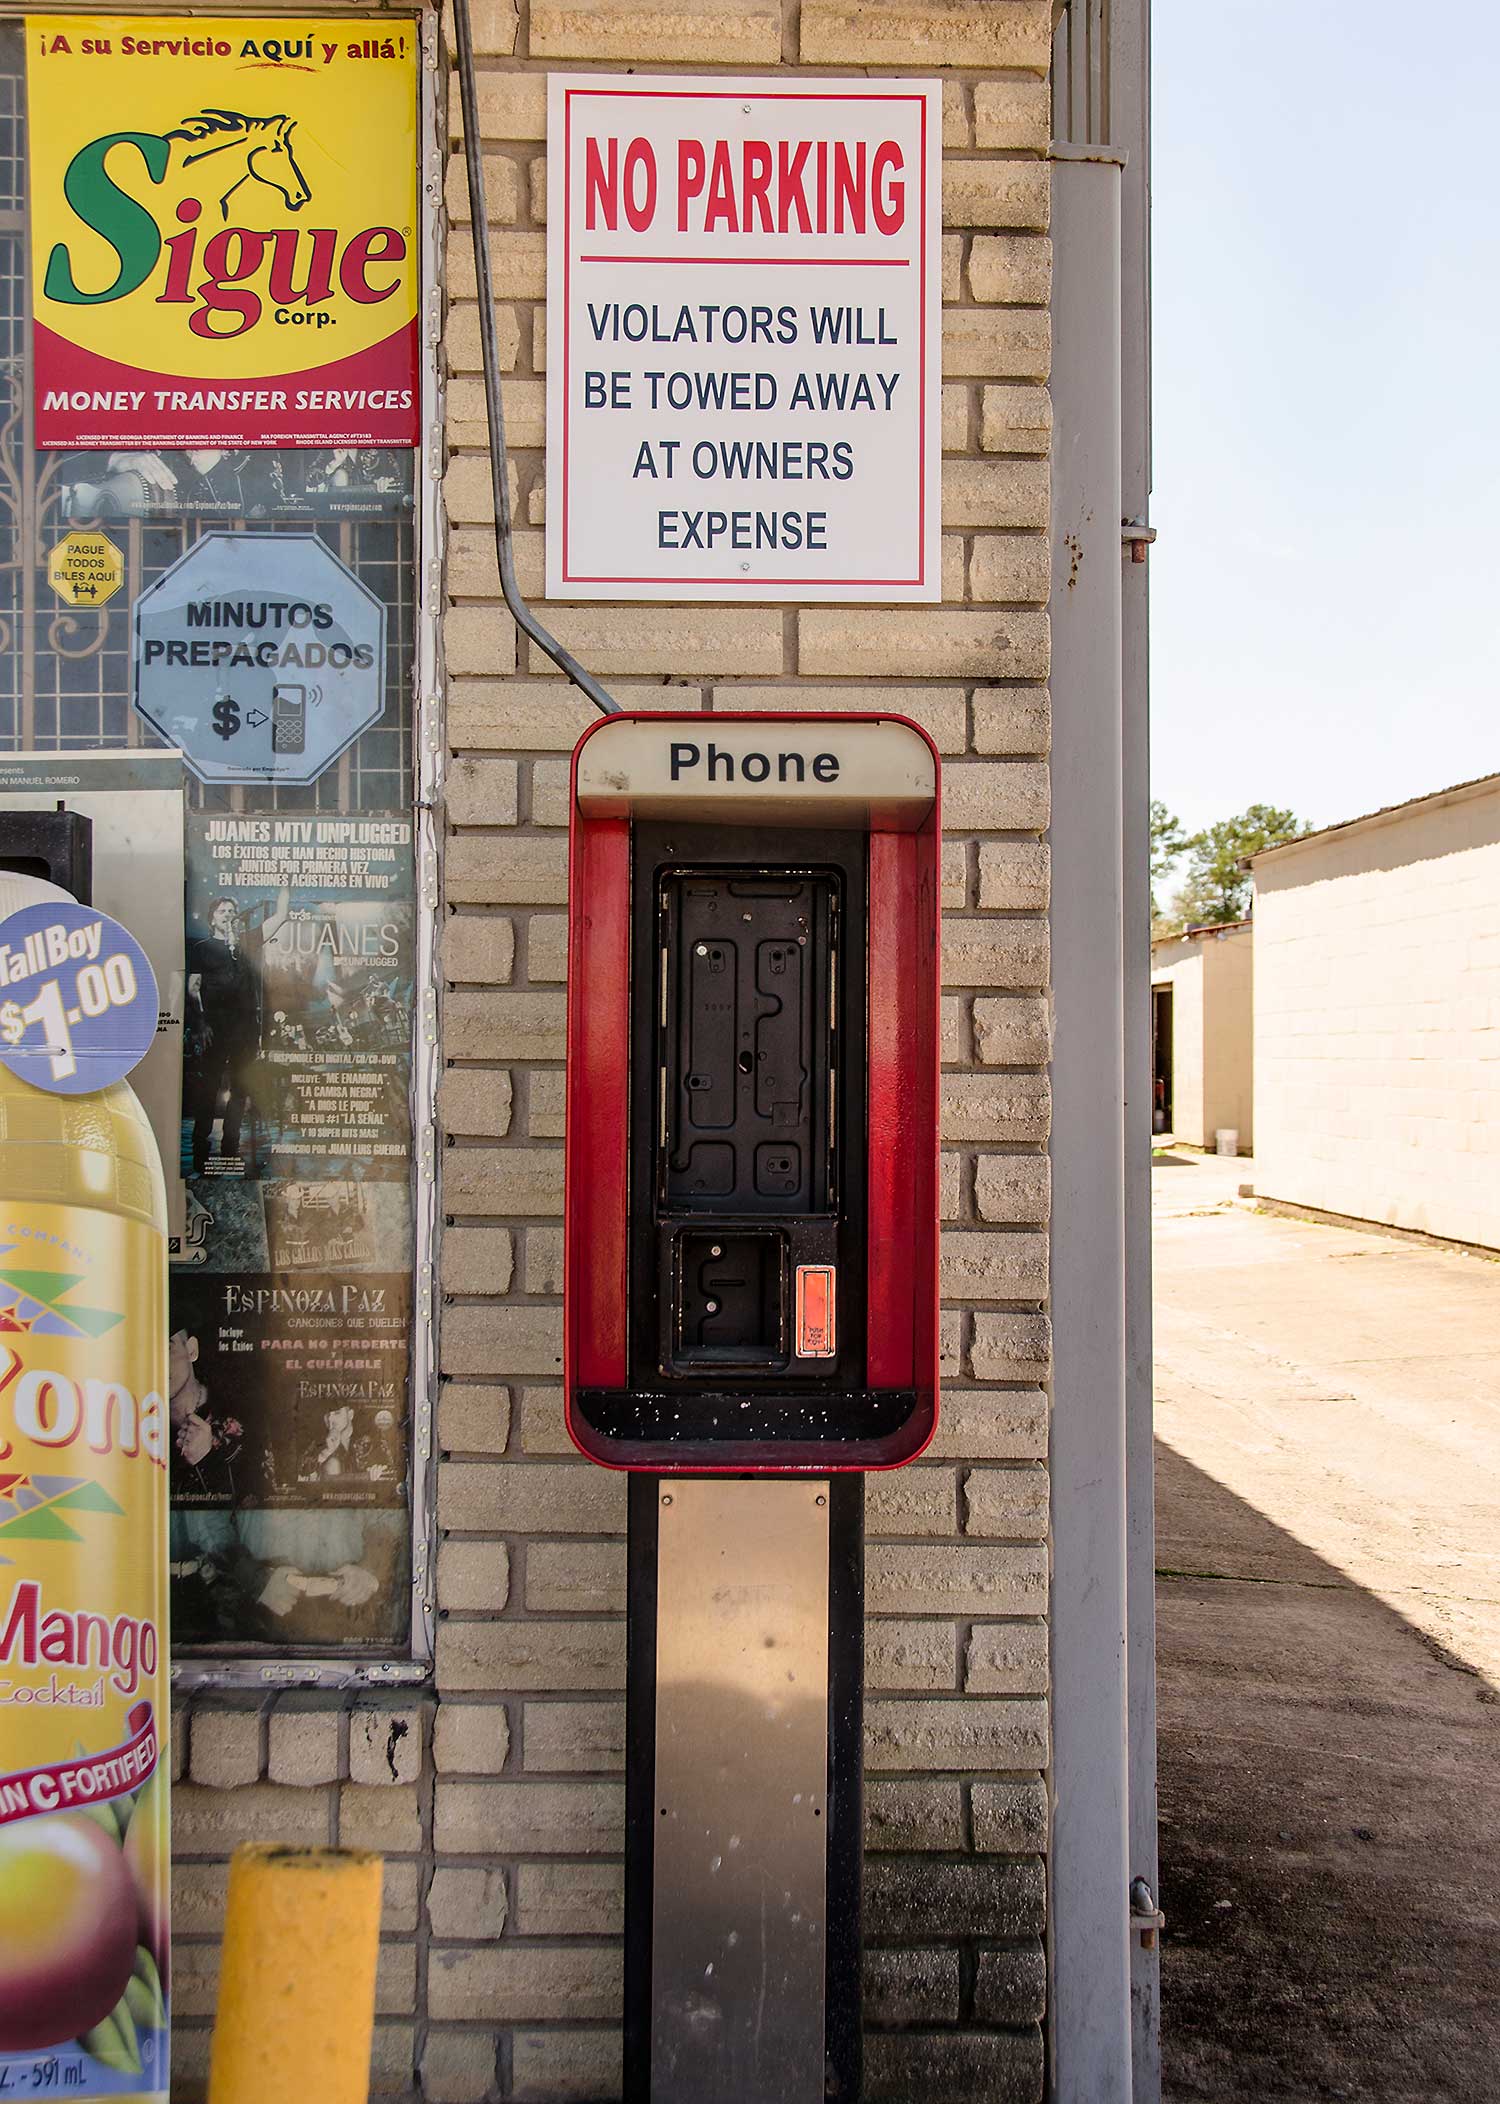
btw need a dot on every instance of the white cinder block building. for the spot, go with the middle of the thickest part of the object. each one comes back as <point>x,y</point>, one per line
<point>1202,984</point>
<point>1377,1016</point>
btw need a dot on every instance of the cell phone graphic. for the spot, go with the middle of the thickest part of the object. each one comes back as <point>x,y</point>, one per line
<point>288,719</point>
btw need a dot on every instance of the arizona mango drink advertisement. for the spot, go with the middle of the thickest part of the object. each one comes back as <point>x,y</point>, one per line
<point>84,1438</point>
<point>224,240</point>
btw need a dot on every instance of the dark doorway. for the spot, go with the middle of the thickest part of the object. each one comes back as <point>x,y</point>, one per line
<point>1161,1059</point>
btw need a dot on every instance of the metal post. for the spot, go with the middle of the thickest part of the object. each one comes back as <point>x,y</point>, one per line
<point>1090,1998</point>
<point>743,1813</point>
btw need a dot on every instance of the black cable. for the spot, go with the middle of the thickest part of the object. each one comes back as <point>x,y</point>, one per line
<point>525,619</point>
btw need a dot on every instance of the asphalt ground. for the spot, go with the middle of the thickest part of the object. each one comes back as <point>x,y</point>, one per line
<point>1328,1599</point>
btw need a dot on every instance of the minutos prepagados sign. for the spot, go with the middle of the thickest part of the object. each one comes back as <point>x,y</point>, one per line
<point>223,230</point>
<point>743,315</point>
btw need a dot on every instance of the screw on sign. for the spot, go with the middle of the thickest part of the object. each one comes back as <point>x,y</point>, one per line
<point>85,569</point>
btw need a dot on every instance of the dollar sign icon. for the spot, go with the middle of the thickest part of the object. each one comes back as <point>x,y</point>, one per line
<point>226,717</point>
<point>12,1023</point>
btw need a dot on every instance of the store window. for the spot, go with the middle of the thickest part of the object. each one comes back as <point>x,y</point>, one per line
<point>255,604</point>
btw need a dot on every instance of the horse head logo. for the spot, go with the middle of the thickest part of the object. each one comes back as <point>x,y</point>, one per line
<point>259,150</point>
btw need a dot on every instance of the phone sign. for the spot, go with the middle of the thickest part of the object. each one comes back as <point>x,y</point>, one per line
<point>816,1337</point>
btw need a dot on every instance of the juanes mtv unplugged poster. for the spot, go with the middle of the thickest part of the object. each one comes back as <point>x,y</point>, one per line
<point>224,230</point>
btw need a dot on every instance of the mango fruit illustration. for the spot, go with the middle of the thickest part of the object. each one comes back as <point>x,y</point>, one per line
<point>68,1927</point>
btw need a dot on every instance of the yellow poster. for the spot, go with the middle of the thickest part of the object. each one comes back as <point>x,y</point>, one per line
<point>224,230</point>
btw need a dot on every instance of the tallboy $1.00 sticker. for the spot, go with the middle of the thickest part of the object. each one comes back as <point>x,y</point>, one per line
<point>78,1000</point>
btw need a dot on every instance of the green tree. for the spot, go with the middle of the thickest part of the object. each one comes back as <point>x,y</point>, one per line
<point>1167,842</point>
<point>1216,888</point>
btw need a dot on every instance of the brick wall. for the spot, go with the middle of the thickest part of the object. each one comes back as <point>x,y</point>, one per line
<point>1377,993</point>
<point>499,1802</point>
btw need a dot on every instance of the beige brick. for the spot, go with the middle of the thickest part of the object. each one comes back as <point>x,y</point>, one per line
<point>995,1106</point>
<point>996,193</point>
<point>953,267</point>
<point>468,498</point>
<point>497,1343</point>
<point>458,2066</point>
<point>1009,952</point>
<point>668,32</point>
<point>511,106</point>
<point>479,949</point>
<point>939,710</point>
<point>225,1746</point>
<point>986,1424</point>
<point>1010,1987</point>
<point>950,1344</point>
<point>979,1266</point>
<point>937,1735</point>
<point>524,870</point>
<point>482,792</point>
<point>1015,874</point>
<point>387,1820</point>
<point>549,793</point>
<point>502,190</point>
<point>475,1101</point>
<point>542,1428</point>
<point>547,946</point>
<point>1011,270</point>
<point>517,1981</point>
<point>534,1819</point>
<point>527,1656</point>
<point>956,406</point>
<point>676,639</point>
<point>950,1184</point>
<point>1006,1658</point>
<point>303,1742</point>
<point>911,34</point>
<point>1012,1030</point>
<point>1011,566</point>
<point>536,175</point>
<point>1015,420</point>
<point>574,1735</point>
<point>477,1259</point>
<point>1013,1187</point>
<point>1012,720</point>
<point>954,556</point>
<point>1012,343</point>
<point>544,1260</point>
<point>518,263</point>
<point>467,1905</point>
<point>944,644</point>
<point>583,2067</point>
<point>903,1578</point>
<point>209,1822</point>
<point>473,1417</point>
<point>914,1815</point>
<point>399,1898</point>
<point>515,1026</point>
<point>570,1899</point>
<point>575,1577</point>
<point>914,1501</point>
<point>543,715</point>
<point>493,25</point>
<point>953,1043</point>
<point>996,493</point>
<point>532,1497</point>
<point>385,1742</point>
<point>996,796</point>
<point>462,346</point>
<point>910,1655</point>
<point>470,1738</point>
<point>955,874</point>
<point>473,1577</point>
<point>548,1104</point>
<point>1010,1818</point>
<point>479,639</point>
<point>904,1989</point>
<point>1012,1348</point>
<point>473,570</point>
<point>1008,1504</point>
<point>502,1180</point>
<point>958,125</point>
<point>1012,113</point>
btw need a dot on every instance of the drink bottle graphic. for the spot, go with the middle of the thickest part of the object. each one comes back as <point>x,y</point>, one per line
<point>84,1446</point>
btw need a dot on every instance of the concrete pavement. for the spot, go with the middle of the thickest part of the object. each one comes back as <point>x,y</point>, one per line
<point>1328,1405</point>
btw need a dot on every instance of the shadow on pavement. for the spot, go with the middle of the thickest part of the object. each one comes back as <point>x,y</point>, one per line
<point>1334,1776</point>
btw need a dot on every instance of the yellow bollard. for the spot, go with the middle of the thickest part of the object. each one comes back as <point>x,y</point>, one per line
<point>297,1990</point>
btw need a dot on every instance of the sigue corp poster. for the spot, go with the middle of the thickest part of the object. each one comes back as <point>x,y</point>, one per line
<point>223,230</point>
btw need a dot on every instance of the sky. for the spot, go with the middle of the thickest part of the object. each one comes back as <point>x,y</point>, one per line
<point>1325,588</point>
